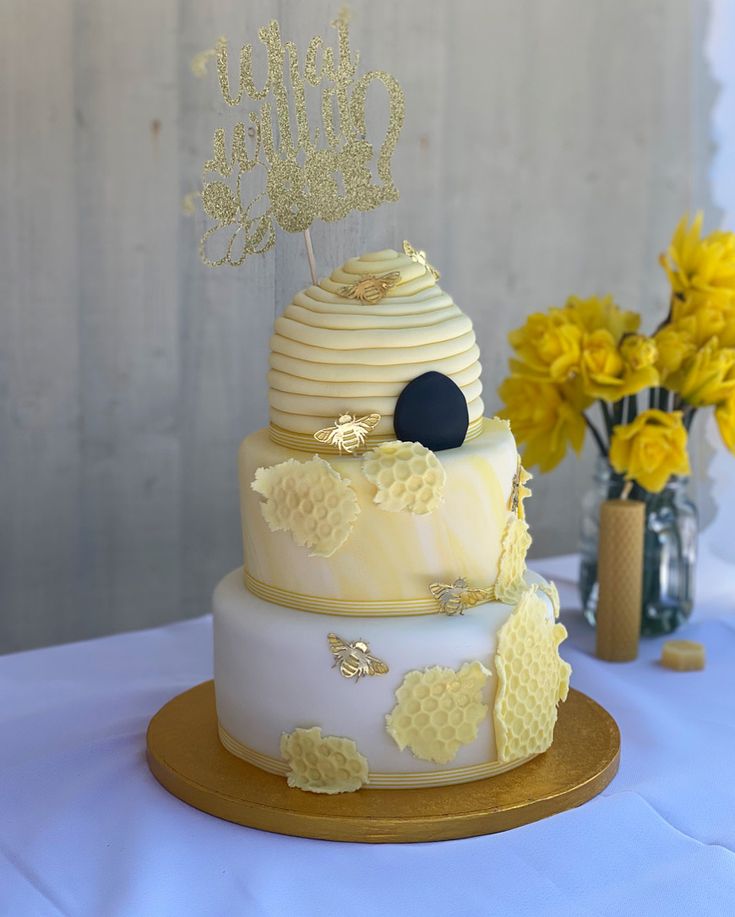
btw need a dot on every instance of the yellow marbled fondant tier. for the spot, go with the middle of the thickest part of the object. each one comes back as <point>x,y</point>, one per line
<point>388,559</point>
<point>332,354</point>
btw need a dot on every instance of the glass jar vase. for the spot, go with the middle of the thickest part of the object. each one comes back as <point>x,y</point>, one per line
<point>670,549</point>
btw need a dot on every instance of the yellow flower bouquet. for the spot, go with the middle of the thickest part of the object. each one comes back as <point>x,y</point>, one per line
<point>648,388</point>
<point>586,367</point>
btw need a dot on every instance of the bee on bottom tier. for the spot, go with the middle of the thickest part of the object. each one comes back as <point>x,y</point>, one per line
<point>354,659</point>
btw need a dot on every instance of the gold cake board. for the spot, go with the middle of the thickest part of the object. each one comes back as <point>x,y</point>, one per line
<point>188,759</point>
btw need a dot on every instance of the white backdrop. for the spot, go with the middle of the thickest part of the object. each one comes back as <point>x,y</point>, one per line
<point>549,148</point>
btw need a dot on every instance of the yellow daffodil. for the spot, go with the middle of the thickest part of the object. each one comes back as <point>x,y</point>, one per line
<point>725,417</point>
<point>601,312</point>
<point>707,377</point>
<point>699,266</point>
<point>547,346</point>
<point>605,374</point>
<point>650,449</point>
<point>545,418</point>
<point>674,345</point>
<point>638,351</point>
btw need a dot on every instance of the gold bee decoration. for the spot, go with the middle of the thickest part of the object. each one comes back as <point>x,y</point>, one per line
<point>371,289</point>
<point>348,432</point>
<point>516,488</point>
<point>420,258</point>
<point>519,491</point>
<point>455,597</point>
<point>354,660</point>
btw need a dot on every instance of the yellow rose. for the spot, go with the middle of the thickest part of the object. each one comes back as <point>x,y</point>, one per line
<point>707,377</point>
<point>710,319</point>
<point>598,312</point>
<point>697,265</point>
<point>605,374</point>
<point>725,417</point>
<point>602,363</point>
<point>650,449</point>
<point>638,351</point>
<point>674,345</point>
<point>548,346</point>
<point>545,419</point>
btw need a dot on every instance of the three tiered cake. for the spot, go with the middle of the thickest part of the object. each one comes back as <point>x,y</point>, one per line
<point>383,631</point>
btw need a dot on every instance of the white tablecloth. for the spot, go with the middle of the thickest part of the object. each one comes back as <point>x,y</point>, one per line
<point>86,830</point>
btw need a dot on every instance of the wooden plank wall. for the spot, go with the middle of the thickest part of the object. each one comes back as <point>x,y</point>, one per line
<point>549,147</point>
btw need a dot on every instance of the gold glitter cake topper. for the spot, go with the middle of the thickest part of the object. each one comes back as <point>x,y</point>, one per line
<point>281,170</point>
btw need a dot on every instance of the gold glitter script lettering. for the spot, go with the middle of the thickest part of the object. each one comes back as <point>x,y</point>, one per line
<point>278,169</point>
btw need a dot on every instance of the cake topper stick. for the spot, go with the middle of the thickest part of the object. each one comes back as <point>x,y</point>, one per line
<point>278,168</point>
<point>310,256</point>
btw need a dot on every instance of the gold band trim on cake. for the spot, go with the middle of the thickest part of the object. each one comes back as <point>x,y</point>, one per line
<point>304,442</point>
<point>329,606</point>
<point>375,779</point>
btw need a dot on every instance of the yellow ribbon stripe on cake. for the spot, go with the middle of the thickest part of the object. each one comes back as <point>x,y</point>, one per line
<point>425,605</point>
<point>408,781</point>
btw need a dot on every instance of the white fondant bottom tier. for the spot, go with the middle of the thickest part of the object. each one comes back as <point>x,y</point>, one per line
<point>274,673</point>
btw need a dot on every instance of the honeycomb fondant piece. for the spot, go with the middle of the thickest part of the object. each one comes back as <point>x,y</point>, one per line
<point>408,476</point>
<point>552,593</point>
<point>501,422</point>
<point>323,764</point>
<point>532,679</point>
<point>438,710</point>
<point>514,546</point>
<point>310,500</point>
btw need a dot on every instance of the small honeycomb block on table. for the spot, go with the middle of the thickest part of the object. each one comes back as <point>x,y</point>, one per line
<point>683,655</point>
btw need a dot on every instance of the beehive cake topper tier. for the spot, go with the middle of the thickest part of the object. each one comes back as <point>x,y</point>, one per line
<point>340,366</point>
<point>283,166</point>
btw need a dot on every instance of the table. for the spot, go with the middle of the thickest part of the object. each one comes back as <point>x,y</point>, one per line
<point>86,830</point>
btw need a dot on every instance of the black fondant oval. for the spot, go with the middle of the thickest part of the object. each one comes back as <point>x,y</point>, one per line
<point>432,410</point>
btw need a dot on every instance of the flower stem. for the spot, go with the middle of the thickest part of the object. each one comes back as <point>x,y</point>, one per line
<point>631,408</point>
<point>668,316</point>
<point>605,408</point>
<point>596,434</point>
